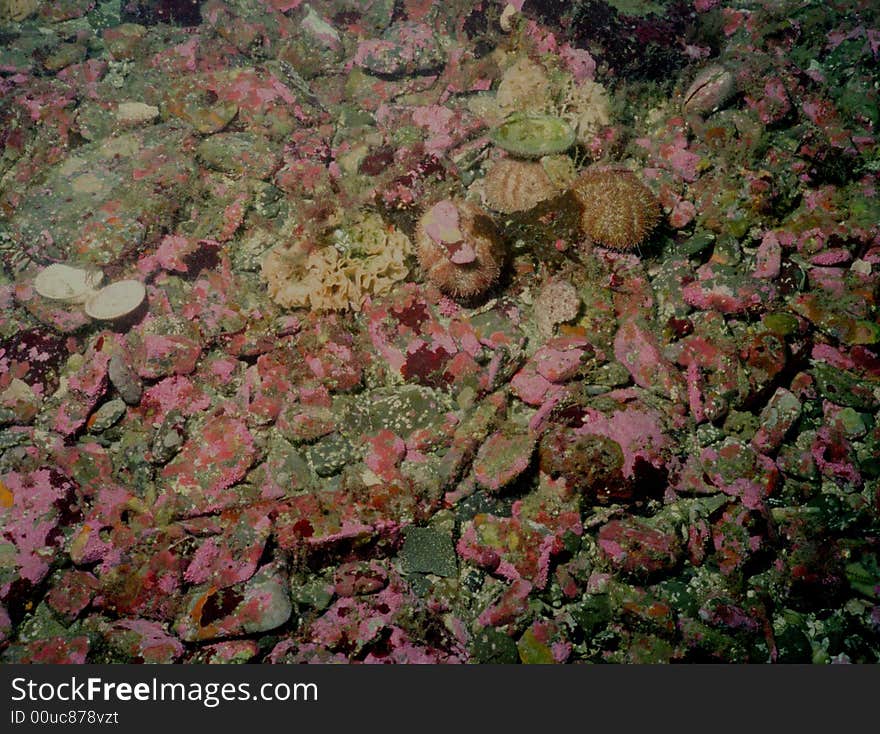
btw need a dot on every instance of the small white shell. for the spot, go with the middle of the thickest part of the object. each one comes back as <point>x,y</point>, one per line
<point>68,284</point>
<point>116,300</point>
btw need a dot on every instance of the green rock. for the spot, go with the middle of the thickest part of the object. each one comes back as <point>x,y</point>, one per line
<point>780,323</point>
<point>330,455</point>
<point>792,643</point>
<point>238,154</point>
<point>532,651</point>
<point>844,388</point>
<point>428,551</point>
<point>491,646</point>
<point>593,613</point>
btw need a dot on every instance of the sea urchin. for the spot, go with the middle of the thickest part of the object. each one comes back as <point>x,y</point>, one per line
<point>459,248</point>
<point>618,210</point>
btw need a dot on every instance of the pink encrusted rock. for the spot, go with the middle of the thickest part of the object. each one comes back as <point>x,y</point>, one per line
<point>768,259</point>
<point>403,650</point>
<point>736,536</point>
<point>229,652</point>
<point>172,393</point>
<point>778,416</point>
<point>640,431</point>
<point>5,624</point>
<point>164,346</point>
<point>210,462</point>
<point>261,604</point>
<point>405,48</point>
<point>544,642</point>
<point>358,622</point>
<point>560,359</point>
<point>835,457</point>
<point>638,350</point>
<point>773,104</point>
<point>523,546</point>
<point>509,607</point>
<point>385,451</point>
<point>531,387</point>
<point>739,471</point>
<point>64,319</point>
<point>721,288</point>
<point>55,650</point>
<point>356,578</point>
<point>324,520</point>
<point>34,507</point>
<point>502,458</point>
<point>143,641</point>
<point>232,556</point>
<point>682,214</point>
<point>635,547</point>
<point>142,577</point>
<point>71,592</point>
<point>86,387</point>
<point>266,388</point>
<point>171,255</point>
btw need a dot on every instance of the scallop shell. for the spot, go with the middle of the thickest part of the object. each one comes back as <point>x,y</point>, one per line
<point>116,300</point>
<point>60,282</point>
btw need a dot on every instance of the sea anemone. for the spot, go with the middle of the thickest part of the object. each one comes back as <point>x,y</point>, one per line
<point>459,248</point>
<point>516,186</point>
<point>618,210</point>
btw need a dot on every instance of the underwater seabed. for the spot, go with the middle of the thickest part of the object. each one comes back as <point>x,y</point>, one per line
<point>488,332</point>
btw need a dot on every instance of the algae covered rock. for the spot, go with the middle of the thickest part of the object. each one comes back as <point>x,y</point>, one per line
<point>107,200</point>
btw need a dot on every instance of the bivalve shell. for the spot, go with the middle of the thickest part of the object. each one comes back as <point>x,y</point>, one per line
<point>66,283</point>
<point>713,88</point>
<point>116,300</point>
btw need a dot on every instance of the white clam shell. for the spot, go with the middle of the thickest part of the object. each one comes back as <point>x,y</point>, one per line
<point>116,300</point>
<point>65,283</point>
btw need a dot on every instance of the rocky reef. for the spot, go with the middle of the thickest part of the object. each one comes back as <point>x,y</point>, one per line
<point>497,332</point>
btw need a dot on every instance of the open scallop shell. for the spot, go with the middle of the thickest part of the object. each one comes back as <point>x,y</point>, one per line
<point>66,283</point>
<point>116,300</point>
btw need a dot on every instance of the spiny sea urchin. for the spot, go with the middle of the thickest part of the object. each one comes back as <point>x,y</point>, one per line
<point>459,248</point>
<point>619,211</point>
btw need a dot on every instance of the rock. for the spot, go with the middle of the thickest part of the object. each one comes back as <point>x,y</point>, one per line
<point>136,113</point>
<point>635,547</point>
<point>244,154</point>
<point>778,416</point>
<point>107,415</point>
<point>427,551</point>
<point>404,48</point>
<point>503,457</point>
<point>261,604</point>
